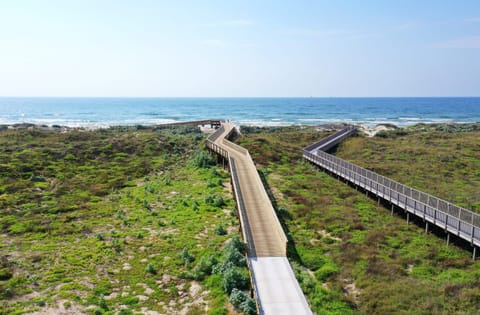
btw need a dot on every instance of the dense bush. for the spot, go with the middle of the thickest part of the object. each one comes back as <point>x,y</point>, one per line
<point>203,160</point>
<point>216,201</point>
<point>234,278</point>
<point>242,302</point>
<point>204,267</point>
<point>220,230</point>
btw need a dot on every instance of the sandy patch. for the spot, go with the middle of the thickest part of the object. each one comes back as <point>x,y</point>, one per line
<point>168,231</point>
<point>142,297</point>
<point>146,311</point>
<point>324,233</point>
<point>371,132</point>
<point>194,298</point>
<point>232,229</point>
<point>409,268</point>
<point>351,290</point>
<point>112,296</point>
<point>60,309</point>
<point>26,297</point>
<point>202,234</point>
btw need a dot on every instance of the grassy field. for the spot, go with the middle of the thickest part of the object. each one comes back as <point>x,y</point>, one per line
<point>117,221</point>
<point>350,254</point>
<point>141,221</point>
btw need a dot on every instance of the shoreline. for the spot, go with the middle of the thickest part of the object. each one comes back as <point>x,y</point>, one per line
<point>367,130</point>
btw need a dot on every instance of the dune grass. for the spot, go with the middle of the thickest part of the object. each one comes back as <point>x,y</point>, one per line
<point>112,221</point>
<point>351,255</point>
<point>130,220</point>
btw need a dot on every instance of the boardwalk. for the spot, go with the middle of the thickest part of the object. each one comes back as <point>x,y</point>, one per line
<point>453,219</point>
<point>276,289</point>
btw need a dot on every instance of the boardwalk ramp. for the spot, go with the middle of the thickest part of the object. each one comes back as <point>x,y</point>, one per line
<point>276,288</point>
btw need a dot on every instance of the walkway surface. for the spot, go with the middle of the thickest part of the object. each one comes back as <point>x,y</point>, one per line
<point>276,288</point>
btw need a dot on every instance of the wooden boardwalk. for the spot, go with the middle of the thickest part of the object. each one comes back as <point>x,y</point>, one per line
<point>432,210</point>
<point>262,230</point>
<point>276,289</point>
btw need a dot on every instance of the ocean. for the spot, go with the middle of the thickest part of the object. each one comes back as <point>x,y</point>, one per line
<point>104,112</point>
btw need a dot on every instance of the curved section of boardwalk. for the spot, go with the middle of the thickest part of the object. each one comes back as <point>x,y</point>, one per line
<point>276,289</point>
<point>453,219</point>
<point>263,232</point>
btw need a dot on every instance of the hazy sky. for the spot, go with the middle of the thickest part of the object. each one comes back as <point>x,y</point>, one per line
<point>239,48</point>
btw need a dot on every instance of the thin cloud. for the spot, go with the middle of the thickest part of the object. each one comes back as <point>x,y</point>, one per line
<point>230,23</point>
<point>332,33</point>
<point>239,22</point>
<point>466,42</point>
<point>472,20</point>
<point>215,42</point>
<point>404,27</point>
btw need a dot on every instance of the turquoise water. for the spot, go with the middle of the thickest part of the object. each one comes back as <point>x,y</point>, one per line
<point>102,112</point>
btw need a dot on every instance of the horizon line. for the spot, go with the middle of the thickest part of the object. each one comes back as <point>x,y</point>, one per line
<point>240,97</point>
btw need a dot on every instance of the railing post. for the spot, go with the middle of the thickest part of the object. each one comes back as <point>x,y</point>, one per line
<point>473,228</point>
<point>473,233</point>
<point>459,222</point>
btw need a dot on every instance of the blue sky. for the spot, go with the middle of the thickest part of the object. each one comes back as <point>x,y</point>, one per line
<point>239,48</point>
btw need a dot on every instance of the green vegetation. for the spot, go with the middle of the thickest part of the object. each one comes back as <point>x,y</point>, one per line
<point>131,219</point>
<point>115,221</point>
<point>443,163</point>
<point>349,254</point>
<point>243,302</point>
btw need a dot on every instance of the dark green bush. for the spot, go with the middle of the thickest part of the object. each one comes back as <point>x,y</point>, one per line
<point>234,278</point>
<point>5,274</point>
<point>237,297</point>
<point>249,307</point>
<point>151,269</point>
<point>186,257</point>
<point>220,230</point>
<point>203,160</point>
<point>204,267</point>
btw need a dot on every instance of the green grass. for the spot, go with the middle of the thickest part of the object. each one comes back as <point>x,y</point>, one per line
<point>444,164</point>
<point>104,220</point>
<point>351,255</point>
<point>135,218</point>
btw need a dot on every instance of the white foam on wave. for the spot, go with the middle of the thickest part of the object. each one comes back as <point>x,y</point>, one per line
<point>309,121</point>
<point>89,124</point>
<point>410,118</point>
<point>263,123</point>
